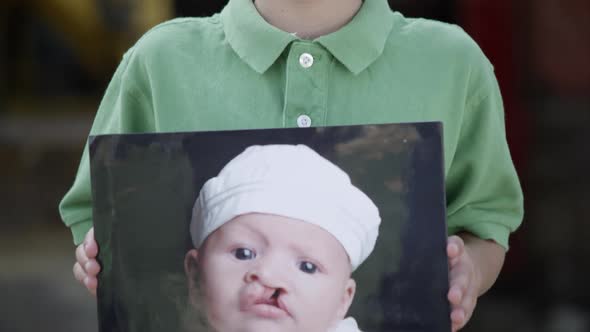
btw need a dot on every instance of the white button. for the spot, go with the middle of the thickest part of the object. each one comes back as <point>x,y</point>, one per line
<point>306,60</point>
<point>304,121</point>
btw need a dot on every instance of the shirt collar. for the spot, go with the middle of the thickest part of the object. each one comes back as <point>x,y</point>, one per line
<point>259,44</point>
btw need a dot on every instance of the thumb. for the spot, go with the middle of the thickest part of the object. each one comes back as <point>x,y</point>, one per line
<point>90,246</point>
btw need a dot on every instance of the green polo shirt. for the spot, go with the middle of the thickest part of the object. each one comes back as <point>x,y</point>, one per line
<point>235,71</point>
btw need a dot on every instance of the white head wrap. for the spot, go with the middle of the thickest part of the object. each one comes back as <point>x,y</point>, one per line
<point>346,325</point>
<point>291,181</point>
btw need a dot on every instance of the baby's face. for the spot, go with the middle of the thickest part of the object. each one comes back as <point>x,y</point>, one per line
<point>263,272</point>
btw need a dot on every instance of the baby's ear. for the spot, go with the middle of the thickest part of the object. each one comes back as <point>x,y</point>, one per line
<point>190,263</point>
<point>190,270</point>
<point>347,297</point>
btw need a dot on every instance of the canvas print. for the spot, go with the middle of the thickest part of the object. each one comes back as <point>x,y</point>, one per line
<point>331,229</point>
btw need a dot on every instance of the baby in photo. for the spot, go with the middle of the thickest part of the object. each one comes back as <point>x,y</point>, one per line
<point>276,237</point>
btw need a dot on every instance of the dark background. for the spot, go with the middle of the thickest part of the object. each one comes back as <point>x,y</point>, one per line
<point>57,56</point>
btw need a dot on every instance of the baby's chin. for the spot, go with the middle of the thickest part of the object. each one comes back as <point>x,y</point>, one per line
<point>269,326</point>
<point>252,325</point>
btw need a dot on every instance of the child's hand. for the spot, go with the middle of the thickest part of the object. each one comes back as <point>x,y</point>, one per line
<point>464,282</point>
<point>86,268</point>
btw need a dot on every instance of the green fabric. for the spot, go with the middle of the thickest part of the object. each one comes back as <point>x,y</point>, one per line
<point>235,71</point>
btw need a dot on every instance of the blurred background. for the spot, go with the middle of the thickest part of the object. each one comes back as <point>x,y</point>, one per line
<point>57,56</point>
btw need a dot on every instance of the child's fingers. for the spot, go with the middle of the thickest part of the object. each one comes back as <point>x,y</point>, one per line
<point>458,284</point>
<point>91,283</point>
<point>462,297</point>
<point>81,257</point>
<point>91,249</point>
<point>79,272</point>
<point>454,261</point>
<point>458,290</point>
<point>455,295</point>
<point>92,267</point>
<point>457,319</point>
<point>469,302</point>
<point>89,235</point>
<point>455,247</point>
<point>90,246</point>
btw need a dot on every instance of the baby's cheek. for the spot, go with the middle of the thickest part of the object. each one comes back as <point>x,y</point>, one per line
<point>220,302</point>
<point>321,302</point>
<point>215,284</point>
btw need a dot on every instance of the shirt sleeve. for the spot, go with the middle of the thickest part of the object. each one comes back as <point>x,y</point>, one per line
<point>125,108</point>
<point>484,196</point>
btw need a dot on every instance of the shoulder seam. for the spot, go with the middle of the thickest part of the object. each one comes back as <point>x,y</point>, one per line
<point>175,21</point>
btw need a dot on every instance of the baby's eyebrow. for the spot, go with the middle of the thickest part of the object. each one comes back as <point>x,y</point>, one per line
<point>244,229</point>
<point>306,251</point>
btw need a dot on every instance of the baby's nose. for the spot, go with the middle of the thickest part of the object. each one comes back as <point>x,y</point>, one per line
<point>267,278</point>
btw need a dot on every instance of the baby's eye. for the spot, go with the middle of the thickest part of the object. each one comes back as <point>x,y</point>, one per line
<point>308,267</point>
<point>244,254</point>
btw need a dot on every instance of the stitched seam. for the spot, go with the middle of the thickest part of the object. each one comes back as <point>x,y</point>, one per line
<point>330,70</point>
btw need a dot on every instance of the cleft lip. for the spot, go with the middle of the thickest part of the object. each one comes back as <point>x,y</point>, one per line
<point>266,302</point>
<point>281,304</point>
<point>274,301</point>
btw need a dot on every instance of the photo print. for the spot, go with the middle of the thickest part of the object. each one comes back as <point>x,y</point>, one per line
<point>332,229</point>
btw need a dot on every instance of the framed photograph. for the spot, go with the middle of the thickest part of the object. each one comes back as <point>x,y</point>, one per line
<point>327,229</point>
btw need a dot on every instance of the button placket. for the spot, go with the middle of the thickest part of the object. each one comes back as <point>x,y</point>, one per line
<point>306,85</point>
